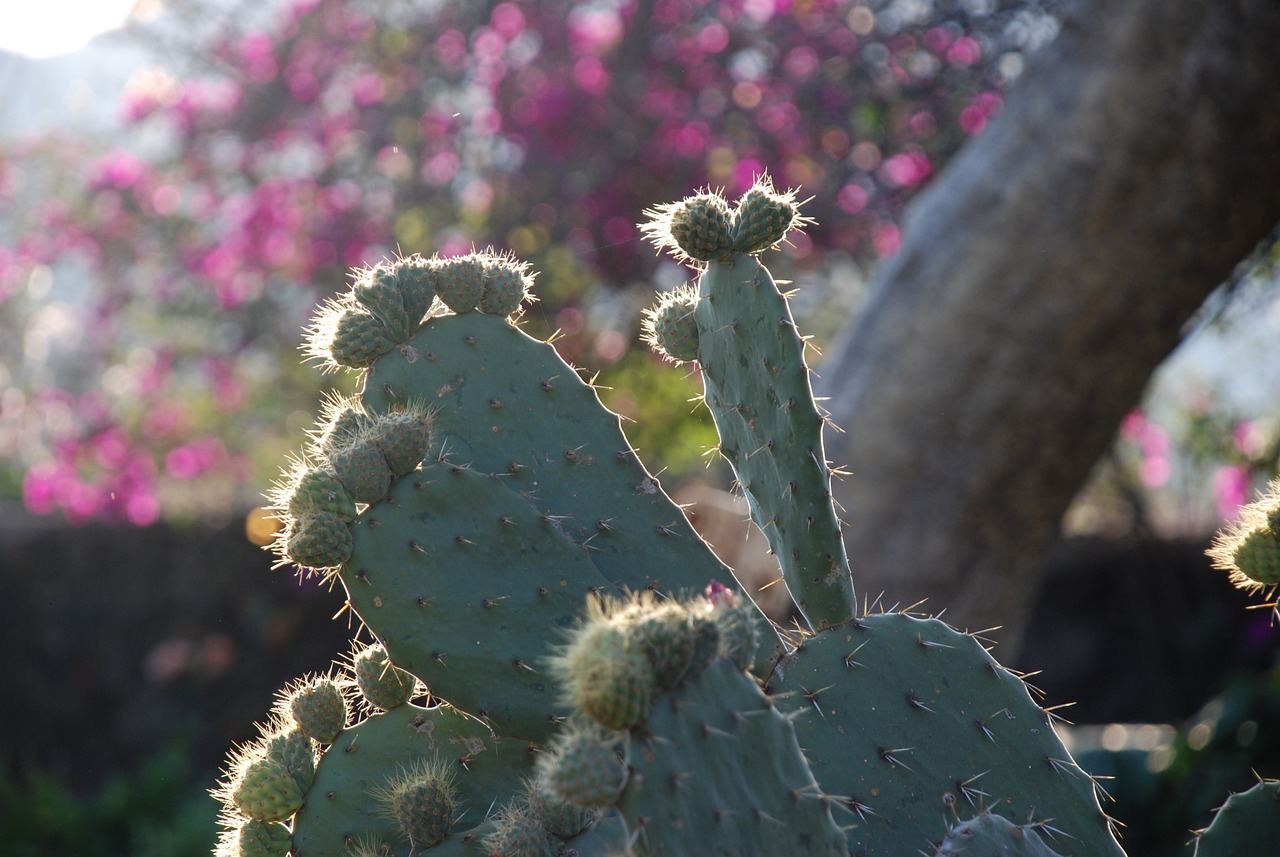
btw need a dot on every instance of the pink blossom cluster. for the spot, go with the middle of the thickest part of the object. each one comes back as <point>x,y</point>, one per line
<point>333,137</point>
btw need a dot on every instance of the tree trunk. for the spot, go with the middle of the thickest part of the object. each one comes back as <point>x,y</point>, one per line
<point>1042,278</point>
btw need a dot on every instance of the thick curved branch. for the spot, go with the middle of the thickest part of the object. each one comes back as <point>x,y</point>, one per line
<point>1042,278</point>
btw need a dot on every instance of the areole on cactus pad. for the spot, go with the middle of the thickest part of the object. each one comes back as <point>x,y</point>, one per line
<point>553,661</point>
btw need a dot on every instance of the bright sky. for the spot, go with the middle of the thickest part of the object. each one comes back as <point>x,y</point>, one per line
<point>45,28</point>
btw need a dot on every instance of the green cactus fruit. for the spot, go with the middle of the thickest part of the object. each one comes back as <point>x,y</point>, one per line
<point>383,684</point>
<point>263,839</point>
<point>698,228</point>
<point>264,790</point>
<point>1257,557</point>
<point>764,217</point>
<point>506,286</point>
<point>678,641</point>
<point>316,540</point>
<point>670,327</point>
<point>582,765</point>
<point>416,278</point>
<point>320,490</point>
<point>1247,825</point>
<point>607,675</point>
<point>989,834</point>
<point>517,832</point>
<point>737,621</point>
<point>295,751</point>
<point>362,469</point>
<point>556,815</point>
<point>422,799</point>
<point>341,424</point>
<point>461,283</point>
<point>319,708</point>
<point>404,436</point>
<point>359,338</point>
<point>378,292</point>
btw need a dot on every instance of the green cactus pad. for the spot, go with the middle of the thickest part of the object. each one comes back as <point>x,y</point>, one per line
<point>319,708</point>
<point>383,684</point>
<point>506,403</point>
<point>316,540</point>
<point>582,765</point>
<point>346,802</point>
<point>463,579</point>
<point>988,834</point>
<point>757,387</point>
<point>717,771</point>
<point>1247,825</point>
<point>265,790</point>
<point>670,327</point>
<point>902,716</point>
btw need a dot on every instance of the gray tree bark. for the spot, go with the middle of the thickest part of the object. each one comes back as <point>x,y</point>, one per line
<point>1042,278</point>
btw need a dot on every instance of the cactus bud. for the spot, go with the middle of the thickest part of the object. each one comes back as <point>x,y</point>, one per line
<point>404,438</point>
<point>377,291</point>
<point>582,765</point>
<point>506,286</point>
<point>295,751</point>
<point>362,469</point>
<point>670,327</point>
<point>517,832</point>
<point>317,540</point>
<point>698,228</point>
<point>461,283</point>
<point>262,839</point>
<point>764,217</point>
<point>1257,557</point>
<point>359,338</point>
<point>317,490</point>
<point>678,642</point>
<point>319,708</point>
<point>383,684</point>
<point>607,675</point>
<point>342,423</point>
<point>417,278</point>
<point>264,790</point>
<point>557,815</point>
<point>422,799</point>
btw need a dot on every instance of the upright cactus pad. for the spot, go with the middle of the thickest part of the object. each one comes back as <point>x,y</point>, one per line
<point>1247,825</point>
<point>757,387</point>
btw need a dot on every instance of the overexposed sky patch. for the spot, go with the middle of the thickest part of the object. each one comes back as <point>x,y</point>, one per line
<point>45,28</point>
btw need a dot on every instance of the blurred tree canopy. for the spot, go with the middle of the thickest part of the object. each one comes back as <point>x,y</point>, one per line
<point>154,288</point>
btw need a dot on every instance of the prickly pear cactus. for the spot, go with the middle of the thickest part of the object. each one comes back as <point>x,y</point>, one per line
<point>550,661</point>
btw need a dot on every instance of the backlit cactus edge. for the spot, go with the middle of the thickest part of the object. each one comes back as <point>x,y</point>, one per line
<point>560,665</point>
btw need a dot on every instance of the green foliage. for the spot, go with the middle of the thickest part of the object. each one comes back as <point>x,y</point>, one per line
<point>157,810</point>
